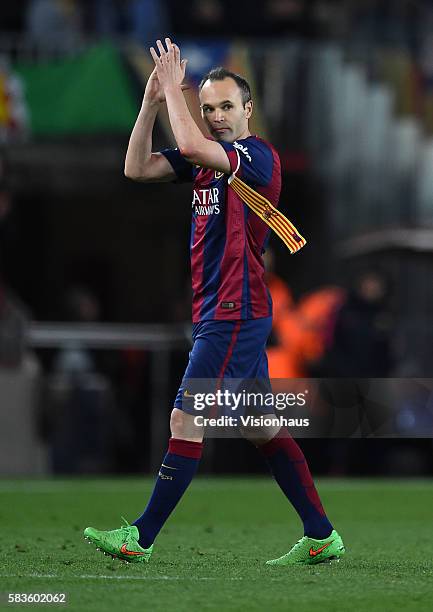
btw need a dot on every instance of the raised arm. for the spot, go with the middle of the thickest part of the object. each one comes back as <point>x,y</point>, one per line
<point>191,143</point>
<point>140,163</point>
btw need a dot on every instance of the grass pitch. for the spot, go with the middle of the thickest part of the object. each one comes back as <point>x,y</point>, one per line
<point>211,553</point>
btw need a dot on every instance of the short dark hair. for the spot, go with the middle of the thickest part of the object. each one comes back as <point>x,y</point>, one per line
<point>220,73</point>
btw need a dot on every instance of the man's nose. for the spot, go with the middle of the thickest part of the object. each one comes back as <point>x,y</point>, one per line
<point>219,115</point>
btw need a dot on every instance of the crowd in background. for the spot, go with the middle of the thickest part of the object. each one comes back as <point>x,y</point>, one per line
<point>329,331</point>
<point>63,26</point>
<point>385,20</point>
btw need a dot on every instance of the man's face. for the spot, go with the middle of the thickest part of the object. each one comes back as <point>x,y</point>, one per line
<point>222,110</point>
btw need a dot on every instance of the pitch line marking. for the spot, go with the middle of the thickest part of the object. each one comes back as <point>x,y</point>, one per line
<point>149,578</point>
<point>105,577</point>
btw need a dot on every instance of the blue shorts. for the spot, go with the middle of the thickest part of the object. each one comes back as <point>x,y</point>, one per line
<point>225,350</point>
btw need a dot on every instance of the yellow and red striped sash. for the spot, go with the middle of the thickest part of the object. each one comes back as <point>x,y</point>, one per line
<point>269,214</point>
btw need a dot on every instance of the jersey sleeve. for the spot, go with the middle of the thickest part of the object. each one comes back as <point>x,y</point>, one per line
<point>182,167</point>
<point>251,159</point>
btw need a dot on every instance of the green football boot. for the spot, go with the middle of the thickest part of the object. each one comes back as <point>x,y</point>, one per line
<point>119,543</point>
<point>309,551</point>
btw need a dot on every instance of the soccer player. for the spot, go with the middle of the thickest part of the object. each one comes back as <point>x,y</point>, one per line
<point>232,310</point>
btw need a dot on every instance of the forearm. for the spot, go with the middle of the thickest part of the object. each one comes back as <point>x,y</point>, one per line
<point>185,130</point>
<point>140,143</point>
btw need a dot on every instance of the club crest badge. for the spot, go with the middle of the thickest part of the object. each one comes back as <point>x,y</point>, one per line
<point>268,213</point>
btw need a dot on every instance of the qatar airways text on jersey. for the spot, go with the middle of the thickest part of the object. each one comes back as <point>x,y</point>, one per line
<point>206,201</point>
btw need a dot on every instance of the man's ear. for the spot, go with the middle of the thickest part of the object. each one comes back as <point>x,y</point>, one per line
<point>248,109</point>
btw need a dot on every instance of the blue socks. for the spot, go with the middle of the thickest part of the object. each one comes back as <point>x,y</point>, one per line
<point>287,464</point>
<point>290,470</point>
<point>177,470</point>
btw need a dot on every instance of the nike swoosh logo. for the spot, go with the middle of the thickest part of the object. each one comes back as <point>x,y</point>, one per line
<point>187,394</point>
<point>313,552</point>
<point>168,467</point>
<point>131,553</point>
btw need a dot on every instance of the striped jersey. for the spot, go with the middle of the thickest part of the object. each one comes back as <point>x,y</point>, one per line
<point>227,238</point>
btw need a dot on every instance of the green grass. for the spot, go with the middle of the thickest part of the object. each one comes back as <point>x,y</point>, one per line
<point>211,554</point>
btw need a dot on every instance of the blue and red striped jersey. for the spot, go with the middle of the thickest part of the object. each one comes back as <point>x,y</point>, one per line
<point>227,238</point>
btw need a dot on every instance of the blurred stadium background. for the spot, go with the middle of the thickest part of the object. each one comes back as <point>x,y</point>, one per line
<point>94,285</point>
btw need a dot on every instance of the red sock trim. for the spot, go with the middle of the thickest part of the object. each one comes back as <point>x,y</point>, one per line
<point>283,440</point>
<point>185,448</point>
